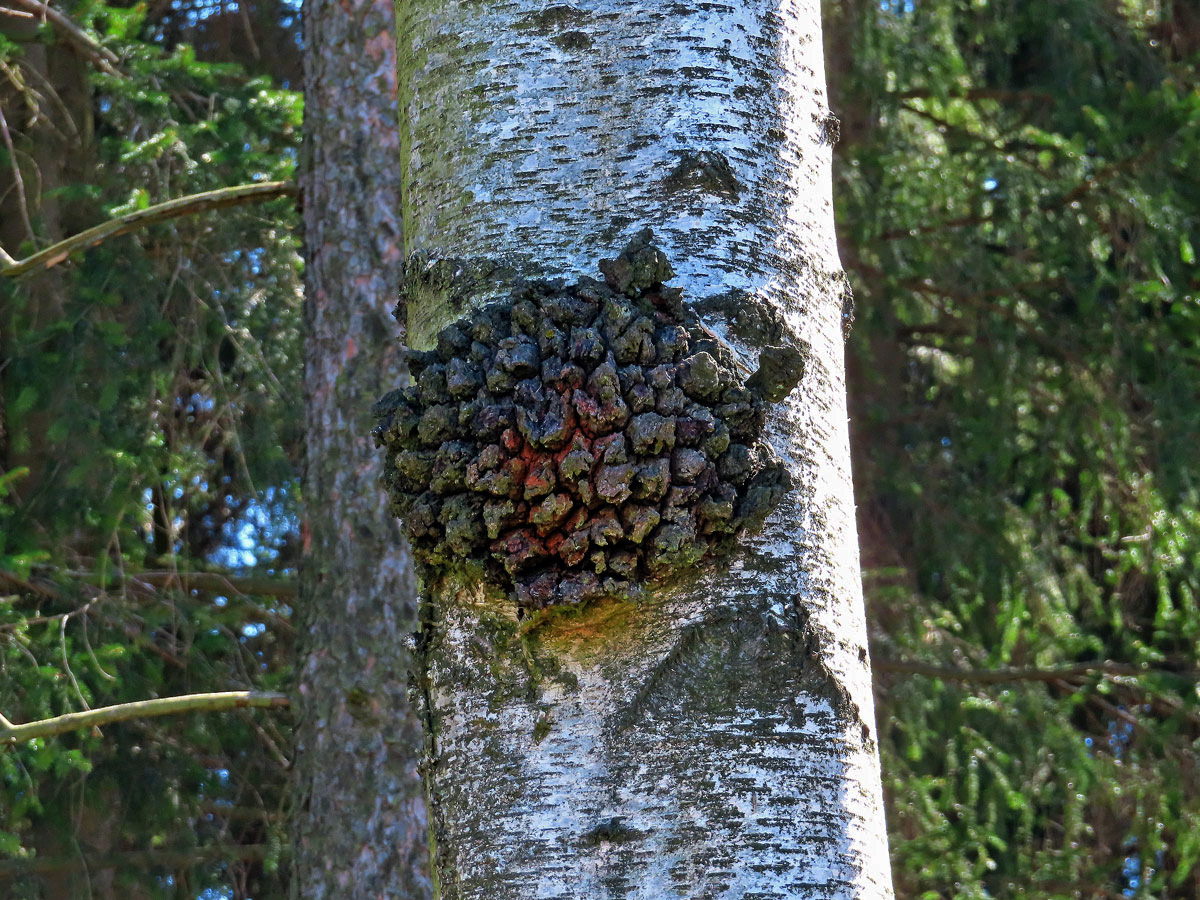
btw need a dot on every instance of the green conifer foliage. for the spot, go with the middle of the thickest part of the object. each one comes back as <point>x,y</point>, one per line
<point>152,416</point>
<point>1018,205</point>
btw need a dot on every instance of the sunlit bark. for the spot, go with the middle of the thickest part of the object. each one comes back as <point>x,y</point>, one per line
<point>717,738</point>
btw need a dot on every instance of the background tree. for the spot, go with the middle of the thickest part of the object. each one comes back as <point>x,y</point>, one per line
<point>360,828</point>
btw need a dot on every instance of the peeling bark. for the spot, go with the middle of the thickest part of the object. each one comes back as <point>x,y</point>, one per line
<point>716,738</point>
<point>359,821</point>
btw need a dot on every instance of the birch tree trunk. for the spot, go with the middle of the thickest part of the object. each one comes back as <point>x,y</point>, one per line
<point>359,818</point>
<point>715,738</point>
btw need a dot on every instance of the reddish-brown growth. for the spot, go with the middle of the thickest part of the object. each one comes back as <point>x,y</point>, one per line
<point>581,438</point>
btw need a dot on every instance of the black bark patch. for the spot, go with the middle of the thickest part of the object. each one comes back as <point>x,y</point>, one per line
<point>704,170</point>
<point>557,17</point>
<point>779,371</point>
<point>454,279</point>
<point>749,318</point>
<point>572,41</point>
<point>577,440</point>
<point>831,127</point>
<point>612,831</point>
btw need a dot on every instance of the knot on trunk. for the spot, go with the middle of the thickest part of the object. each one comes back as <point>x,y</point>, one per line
<point>580,439</point>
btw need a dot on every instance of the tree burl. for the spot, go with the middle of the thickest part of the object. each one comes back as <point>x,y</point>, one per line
<point>577,440</point>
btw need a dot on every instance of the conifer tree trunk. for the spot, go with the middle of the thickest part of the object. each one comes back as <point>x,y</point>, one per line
<point>53,148</point>
<point>716,737</point>
<point>359,822</point>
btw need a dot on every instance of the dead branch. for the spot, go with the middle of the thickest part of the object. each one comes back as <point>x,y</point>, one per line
<point>160,212</point>
<point>163,706</point>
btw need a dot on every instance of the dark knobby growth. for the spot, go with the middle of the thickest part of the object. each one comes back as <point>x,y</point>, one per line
<point>582,438</point>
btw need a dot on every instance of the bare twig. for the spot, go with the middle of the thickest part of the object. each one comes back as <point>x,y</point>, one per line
<point>272,747</point>
<point>249,31</point>
<point>164,706</point>
<point>1043,97</point>
<point>980,300</point>
<point>240,813</point>
<point>134,632</point>
<point>144,583</point>
<point>1102,176</point>
<point>1048,205</point>
<point>160,212</point>
<point>62,643</point>
<point>36,586</point>
<point>50,93</point>
<point>208,582</point>
<point>960,222</point>
<point>18,181</point>
<point>1115,711</point>
<point>132,859</point>
<point>998,676</point>
<point>87,642</point>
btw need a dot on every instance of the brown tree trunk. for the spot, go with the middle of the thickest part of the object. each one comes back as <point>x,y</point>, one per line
<point>359,826</point>
<point>51,146</point>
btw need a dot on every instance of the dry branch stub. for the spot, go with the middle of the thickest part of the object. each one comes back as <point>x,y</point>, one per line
<point>578,440</point>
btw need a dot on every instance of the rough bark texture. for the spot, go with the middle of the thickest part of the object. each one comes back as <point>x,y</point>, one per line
<point>717,738</point>
<point>360,827</point>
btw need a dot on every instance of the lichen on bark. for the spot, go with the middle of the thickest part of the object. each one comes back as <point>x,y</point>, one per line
<point>578,440</point>
<point>697,716</point>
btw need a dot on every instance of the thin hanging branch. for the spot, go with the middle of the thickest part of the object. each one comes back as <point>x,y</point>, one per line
<point>132,859</point>
<point>18,180</point>
<point>172,209</point>
<point>207,582</point>
<point>1000,676</point>
<point>100,56</point>
<point>141,709</point>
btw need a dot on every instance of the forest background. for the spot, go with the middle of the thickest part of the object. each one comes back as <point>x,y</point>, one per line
<point>1017,201</point>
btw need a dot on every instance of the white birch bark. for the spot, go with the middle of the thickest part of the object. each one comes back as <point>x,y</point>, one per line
<point>717,738</point>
